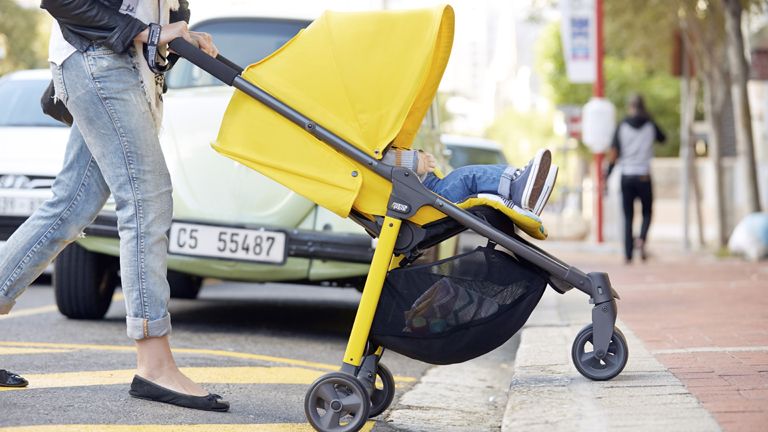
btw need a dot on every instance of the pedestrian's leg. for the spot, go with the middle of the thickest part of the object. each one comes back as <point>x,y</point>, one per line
<point>79,192</point>
<point>107,101</point>
<point>628,204</point>
<point>645,191</point>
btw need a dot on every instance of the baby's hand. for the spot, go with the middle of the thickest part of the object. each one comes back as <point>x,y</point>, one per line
<point>427,163</point>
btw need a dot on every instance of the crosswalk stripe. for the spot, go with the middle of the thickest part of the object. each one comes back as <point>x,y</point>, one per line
<point>273,427</point>
<point>211,352</point>
<point>16,351</point>
<point>191,351</point>
<point>16,313</point>
<point>203,375</point>
<point>29,311</point>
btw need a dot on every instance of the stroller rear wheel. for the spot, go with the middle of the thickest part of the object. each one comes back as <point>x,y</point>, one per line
<point>382,397</point>
<point>337,402</point>
<point>586,361</point>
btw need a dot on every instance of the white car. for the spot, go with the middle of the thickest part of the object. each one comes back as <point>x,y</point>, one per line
<point>31,147</point>
<point>467,150</point>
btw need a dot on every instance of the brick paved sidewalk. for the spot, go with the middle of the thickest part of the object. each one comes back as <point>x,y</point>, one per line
<point>706,320</point>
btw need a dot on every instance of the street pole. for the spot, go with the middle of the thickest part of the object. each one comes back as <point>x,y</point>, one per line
<point>599,92</point>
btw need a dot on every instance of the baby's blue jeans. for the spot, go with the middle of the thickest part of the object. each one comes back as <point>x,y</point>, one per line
<point>470,180</point>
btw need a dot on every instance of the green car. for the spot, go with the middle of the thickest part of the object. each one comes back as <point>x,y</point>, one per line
<point>230,222</point>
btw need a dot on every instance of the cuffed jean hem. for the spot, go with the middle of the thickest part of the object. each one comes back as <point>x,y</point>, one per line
<point>140,328</point>
<point>505,182</point>
<point>6,305</point>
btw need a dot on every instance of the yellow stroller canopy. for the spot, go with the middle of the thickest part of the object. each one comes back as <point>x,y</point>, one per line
<point>368,77</point>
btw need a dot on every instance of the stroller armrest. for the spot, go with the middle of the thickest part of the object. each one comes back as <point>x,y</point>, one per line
<point>220,67</point>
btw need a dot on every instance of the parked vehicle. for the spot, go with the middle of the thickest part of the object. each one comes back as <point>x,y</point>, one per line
<point>465,150</point>
<point>31,148</point>
<point>230,222</point>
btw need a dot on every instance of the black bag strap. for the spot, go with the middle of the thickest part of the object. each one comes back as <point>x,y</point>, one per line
<point>151,52</point>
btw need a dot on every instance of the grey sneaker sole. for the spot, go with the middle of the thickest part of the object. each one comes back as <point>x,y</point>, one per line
<point>537,179</point>
<point>549,185</point>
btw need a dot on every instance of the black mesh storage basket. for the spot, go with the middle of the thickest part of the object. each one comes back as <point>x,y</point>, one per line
<point>458,308</point>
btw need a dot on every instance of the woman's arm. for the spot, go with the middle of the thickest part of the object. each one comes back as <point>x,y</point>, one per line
<point>92,20</point>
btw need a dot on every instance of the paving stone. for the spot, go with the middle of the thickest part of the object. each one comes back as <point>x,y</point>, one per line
<point>548,394</point>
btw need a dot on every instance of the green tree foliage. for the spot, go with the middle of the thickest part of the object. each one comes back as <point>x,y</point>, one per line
<point>21,30</point>
<point>624,74</point>
<point>522,133</point>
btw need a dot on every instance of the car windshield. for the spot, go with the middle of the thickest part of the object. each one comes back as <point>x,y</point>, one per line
<point>243,41</point>
<point>21,103</point>
<point>463,156</point>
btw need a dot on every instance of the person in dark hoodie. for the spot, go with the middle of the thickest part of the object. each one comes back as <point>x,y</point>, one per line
<point>632,151</point>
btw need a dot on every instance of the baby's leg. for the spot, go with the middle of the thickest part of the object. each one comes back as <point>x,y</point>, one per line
<point>470,180</point>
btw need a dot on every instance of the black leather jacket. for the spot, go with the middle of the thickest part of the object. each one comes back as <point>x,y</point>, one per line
<point>85,21</point>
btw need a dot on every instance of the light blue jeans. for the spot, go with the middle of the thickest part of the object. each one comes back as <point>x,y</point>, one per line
<point>113,147</point>
<point>469,180</point>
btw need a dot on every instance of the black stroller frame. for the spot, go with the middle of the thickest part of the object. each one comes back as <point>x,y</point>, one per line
<point>358,373</point>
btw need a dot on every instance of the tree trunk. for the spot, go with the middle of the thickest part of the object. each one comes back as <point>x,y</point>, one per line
<point>741,110</point>
<point>713,106</point>
<point>688,155</point>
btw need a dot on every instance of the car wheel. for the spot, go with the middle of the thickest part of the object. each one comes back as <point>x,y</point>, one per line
<point>184,286</point>
<point>84,282</point>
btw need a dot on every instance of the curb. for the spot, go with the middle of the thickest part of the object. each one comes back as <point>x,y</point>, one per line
<point>464,397</point>
<point>548,394</point>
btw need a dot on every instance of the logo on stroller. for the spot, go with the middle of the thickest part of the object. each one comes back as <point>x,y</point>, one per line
<point>401,208</point>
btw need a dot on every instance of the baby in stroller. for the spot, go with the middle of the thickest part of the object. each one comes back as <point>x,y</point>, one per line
<point>525,190</point>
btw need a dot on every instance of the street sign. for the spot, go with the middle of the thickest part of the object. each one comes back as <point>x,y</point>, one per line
<point>578,31</point>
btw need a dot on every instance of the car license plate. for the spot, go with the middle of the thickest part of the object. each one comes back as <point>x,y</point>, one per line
<point>19,206</point>
<point>227,243</point>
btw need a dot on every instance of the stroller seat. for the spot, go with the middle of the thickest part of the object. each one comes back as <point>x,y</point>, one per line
<point>528,223</point>
<point>489,210</point>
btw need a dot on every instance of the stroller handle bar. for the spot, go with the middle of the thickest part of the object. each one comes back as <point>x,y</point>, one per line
<point>220,67</point>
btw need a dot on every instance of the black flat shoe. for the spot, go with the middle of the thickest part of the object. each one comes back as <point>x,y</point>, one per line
<point>147,390</point>
<point>10,379</point>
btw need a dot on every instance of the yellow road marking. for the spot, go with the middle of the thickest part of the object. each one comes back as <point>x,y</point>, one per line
<point>29,311</point>
<point>218,353</point>
<point>274,427</point>
<point>203,375</point>
<point>45,309</point>
<point>206,375</point>
<point>192,351</point>
<point>14,351</point>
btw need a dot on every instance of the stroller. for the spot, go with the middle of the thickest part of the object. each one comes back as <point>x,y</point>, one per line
<point>363,82</point>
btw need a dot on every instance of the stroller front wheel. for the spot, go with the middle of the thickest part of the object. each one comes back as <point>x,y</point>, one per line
<point>594,368</point>
<point>337,402</point>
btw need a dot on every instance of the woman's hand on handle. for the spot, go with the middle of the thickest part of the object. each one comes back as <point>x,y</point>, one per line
<point>175,30</point>
<point>179,29</point>
<point>204,41</point>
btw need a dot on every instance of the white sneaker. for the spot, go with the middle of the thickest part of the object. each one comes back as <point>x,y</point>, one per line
<point>528,182</point>
<point>546,190</point>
